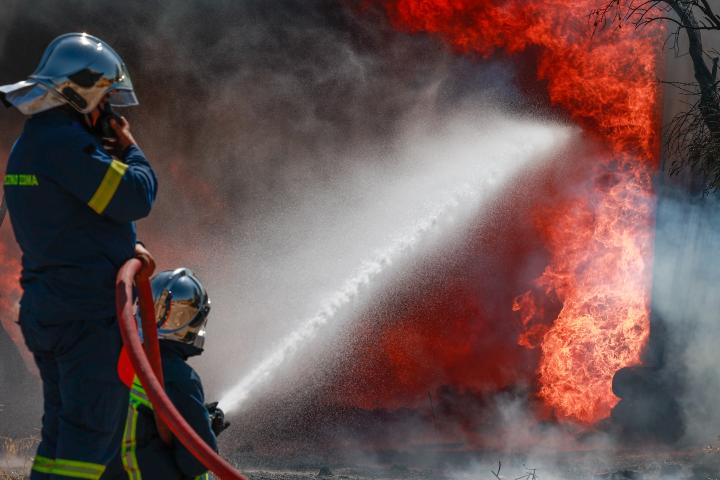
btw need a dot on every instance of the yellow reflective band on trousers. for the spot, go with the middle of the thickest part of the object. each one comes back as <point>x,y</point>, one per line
<point>68,468</point>
<point>21,180</point>
<point>109,185</point>
<point>128,450</point>
<point>42,463</point>
<point>129,445</point>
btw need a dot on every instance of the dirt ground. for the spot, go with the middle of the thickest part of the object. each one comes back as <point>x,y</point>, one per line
<point>690,464</point>
<point>341,474</point>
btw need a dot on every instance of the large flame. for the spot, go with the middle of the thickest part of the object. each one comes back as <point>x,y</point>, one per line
<point>598,237</point>
<point>600,244</point>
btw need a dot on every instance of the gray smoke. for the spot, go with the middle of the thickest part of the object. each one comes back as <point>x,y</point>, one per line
<point>685,300</point>
<point>267,123</point>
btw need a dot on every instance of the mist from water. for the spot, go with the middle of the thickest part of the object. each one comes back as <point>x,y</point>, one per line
<point>446,169</point>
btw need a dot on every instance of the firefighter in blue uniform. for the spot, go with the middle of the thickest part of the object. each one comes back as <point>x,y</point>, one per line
<point>72,204</point>
<point>181,307</point>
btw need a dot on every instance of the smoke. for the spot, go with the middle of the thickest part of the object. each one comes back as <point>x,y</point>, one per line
<point>252,113</point>
<point>280,132</point>
<point>685,303</point>
<point>294,140</point>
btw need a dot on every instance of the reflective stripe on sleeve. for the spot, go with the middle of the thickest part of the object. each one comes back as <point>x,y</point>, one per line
<point>109,185</point>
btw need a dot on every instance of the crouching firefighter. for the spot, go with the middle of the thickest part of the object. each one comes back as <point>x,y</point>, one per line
<point>181,308</point>
<point>72,205</point>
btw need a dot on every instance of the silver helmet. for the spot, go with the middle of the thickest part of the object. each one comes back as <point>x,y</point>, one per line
<point>181,306</point>
<point>76,69</point>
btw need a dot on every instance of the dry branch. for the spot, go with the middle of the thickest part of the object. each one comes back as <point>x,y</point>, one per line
<point>693,139</point>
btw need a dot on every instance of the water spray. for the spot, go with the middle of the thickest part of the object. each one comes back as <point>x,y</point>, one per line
<point>350,290</point>
<point>478,182</point>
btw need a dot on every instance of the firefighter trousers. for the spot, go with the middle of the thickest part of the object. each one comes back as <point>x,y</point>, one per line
<point>85,402</point>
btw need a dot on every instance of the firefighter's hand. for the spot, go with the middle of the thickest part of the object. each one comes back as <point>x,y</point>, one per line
<point>121,128</point>
<point>148,262</point>
<point>217,418</point>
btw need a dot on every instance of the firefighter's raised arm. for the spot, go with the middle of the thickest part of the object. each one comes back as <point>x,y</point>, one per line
<point>122,189</point>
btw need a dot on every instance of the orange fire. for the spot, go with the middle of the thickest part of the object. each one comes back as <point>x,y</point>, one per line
<point>599,235</point>
<point>600,244</point>
<point>10,295</point>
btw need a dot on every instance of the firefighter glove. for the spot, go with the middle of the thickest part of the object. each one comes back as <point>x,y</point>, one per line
<point>217,418</point>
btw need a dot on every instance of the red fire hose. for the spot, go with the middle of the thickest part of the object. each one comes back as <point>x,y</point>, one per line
<point>151,376</point>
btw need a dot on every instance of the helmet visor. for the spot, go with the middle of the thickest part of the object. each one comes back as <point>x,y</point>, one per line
<point>122,98</point>
<point>179,317</point>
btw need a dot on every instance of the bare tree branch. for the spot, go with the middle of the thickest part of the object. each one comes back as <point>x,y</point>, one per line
<point>711,16</point>
<point>693,137</point>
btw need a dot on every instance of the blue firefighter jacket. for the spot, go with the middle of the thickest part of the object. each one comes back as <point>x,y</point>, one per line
<point>143,454</point>
<point>72,205</point>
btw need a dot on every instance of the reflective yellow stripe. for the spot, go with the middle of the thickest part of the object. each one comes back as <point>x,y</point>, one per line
<point>109,185</point>
<point>129,444</point>
<point>68,468</point>
<point>140,398</point>
<point>138,395</point>
<point>43,460</point>
<point>43,464</point>
<point>75,469</point>
<point>42,469</point>
<point>204,476</point>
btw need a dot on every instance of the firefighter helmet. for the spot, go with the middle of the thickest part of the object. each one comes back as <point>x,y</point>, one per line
<point>76,69</point>
<point>181,306</point>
